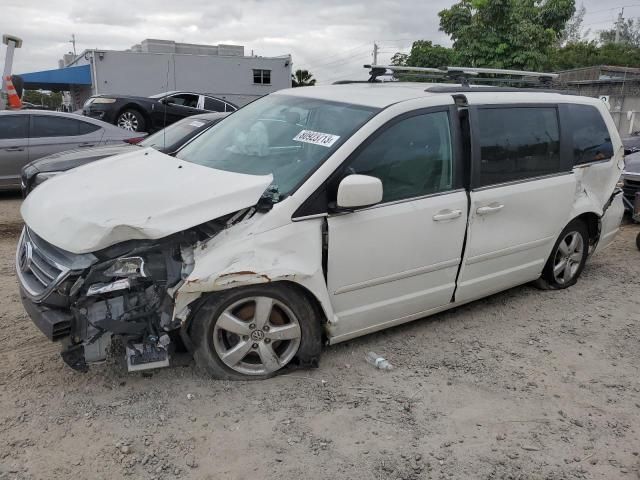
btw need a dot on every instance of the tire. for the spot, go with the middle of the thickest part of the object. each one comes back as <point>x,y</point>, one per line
<point>131,120</point>
<point>567,259</point>
<point>638,241</point>
<point>231,342</point>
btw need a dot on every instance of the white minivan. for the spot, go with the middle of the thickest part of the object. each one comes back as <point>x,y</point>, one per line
<point>316,215</point>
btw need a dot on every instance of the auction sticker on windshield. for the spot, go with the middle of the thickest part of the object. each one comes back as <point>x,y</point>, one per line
<point>317,138</point>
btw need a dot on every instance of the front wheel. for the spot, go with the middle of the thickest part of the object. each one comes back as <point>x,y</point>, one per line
<point>568,257</point>
<point>131,120</point>
<point>254,332</point>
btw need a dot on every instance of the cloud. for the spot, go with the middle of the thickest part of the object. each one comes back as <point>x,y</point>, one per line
<point>330,38</point>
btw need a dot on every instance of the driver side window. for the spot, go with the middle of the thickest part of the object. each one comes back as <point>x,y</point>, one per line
<point>184,100</point>
<point>413,157</point>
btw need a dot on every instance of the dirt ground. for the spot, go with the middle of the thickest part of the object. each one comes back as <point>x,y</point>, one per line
<point>523,385</point>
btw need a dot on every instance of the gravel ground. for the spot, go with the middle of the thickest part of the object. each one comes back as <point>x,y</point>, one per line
<point>525,384</point>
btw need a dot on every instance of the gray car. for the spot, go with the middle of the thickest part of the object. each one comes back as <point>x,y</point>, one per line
<point>26,135</point>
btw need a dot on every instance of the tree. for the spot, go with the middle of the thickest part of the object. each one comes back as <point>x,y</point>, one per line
<point>585,54</point>
<point>629,33</point>
<point>505,33</point>
<point>425,54</point>
<point>302,78</point>
<point>51,100</point>
<point>572,31</point>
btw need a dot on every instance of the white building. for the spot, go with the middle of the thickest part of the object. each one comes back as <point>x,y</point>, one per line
<point>155,66</point>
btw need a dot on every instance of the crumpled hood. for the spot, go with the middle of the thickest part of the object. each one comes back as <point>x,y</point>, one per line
<point>139,195</point>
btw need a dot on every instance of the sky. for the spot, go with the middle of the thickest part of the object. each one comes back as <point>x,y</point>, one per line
<point>330,38</point>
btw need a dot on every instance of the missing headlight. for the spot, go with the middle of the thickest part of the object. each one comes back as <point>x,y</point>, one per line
<point>127,267</point>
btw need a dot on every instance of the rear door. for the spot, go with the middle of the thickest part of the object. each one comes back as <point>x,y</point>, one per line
<point>14,145</point>
<point>398,260</point>
<point>522,190</point>
<point>55,133</point>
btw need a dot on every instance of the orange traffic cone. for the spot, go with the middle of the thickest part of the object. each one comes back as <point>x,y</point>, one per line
<point>14,99</point>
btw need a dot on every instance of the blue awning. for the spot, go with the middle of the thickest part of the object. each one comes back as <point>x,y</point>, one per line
<point>58,79</point>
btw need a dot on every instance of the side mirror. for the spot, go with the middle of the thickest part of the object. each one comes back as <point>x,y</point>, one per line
<point>359,191</point>
<point>167,101</point>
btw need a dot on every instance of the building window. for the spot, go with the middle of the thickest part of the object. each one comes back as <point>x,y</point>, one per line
<point>262,77</point>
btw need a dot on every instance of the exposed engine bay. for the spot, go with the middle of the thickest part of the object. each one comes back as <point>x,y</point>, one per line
<point>126,293</point>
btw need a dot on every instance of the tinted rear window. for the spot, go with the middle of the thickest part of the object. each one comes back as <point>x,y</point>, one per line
<point>14,126</point>
<point>517,143</point>
<point>54,126</point>
<point>589,135</point>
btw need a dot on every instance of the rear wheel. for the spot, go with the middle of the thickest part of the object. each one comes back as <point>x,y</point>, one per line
<point>254,332</point>
<point>568,257</point>
<point>131,120</point>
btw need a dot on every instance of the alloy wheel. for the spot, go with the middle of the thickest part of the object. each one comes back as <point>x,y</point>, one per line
<point>568,257</point>
<point>128,121</point>
<point>256,335</point>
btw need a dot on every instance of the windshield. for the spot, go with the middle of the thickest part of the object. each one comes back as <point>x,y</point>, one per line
<point>173,133</point>
<point>285,136</point>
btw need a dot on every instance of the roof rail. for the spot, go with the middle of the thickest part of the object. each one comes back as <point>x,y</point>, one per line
<point>462,74</point>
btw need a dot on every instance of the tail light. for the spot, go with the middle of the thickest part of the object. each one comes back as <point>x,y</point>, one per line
<point>134,140</point>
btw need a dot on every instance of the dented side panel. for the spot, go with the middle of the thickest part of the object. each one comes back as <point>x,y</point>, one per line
<point>239,257</point>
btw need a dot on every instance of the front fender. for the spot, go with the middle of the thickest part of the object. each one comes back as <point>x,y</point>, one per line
<point>237,257</point>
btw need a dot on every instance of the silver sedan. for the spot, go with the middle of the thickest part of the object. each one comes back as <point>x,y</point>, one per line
<point>27,135</point>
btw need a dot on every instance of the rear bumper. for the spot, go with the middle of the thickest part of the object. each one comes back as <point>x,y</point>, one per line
<point>54,323</point>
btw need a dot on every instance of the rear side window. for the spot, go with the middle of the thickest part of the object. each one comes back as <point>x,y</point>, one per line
<point>214,105</point>
<point>54,126</point>
<point>14,126</point>
<point>517,143</point>
<point>589,135</point>
<point>412,157</point>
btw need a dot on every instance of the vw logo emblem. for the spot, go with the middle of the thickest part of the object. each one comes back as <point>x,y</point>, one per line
<point>25,259</point>
<point>257,335</point>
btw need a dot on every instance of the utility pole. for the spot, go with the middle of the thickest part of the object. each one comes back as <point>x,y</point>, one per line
<point>73,42</point>
<point>619,26</point>
<point>375,53</point>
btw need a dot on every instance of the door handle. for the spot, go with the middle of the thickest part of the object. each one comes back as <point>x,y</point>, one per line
<point>14,149</point>
<point>443,215</point>
<point>85,145</point>
<point>491,208</point>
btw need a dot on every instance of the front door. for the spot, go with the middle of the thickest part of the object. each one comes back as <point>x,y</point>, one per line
<point>521,198</point>
<point>174,108</point>
<point>398,260</point>
<point>14,145</point>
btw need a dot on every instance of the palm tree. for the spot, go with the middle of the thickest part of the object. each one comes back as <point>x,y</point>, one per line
<point>302,78</point>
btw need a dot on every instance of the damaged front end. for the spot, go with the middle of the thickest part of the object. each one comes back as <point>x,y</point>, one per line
<point>124,291</point>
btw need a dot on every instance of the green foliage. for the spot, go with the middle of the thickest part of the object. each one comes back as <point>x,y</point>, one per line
<point>425,54</point>
<point>49,100</point>
<point>522,34</point>
<point>302,78</point>
<point>505,33</point>
<point>585,54</point>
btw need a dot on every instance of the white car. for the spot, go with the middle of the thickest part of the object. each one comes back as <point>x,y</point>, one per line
<point>316,215</point>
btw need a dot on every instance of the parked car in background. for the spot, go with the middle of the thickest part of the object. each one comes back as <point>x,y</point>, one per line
<point>319,214</point>
<point>631,175</point>
<point>26,135</point>
<point>168,141</point>
<point>149,114</point>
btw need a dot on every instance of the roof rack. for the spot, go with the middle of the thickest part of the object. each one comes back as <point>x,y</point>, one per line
<point>460,74</point>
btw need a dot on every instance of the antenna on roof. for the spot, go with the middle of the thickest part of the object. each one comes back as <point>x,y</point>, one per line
<point>459,74</point>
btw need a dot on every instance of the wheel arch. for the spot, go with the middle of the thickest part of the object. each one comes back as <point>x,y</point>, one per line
<point>138,108</point>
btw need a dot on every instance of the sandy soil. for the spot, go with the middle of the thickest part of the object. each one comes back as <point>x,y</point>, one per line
<point>523,385</point>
